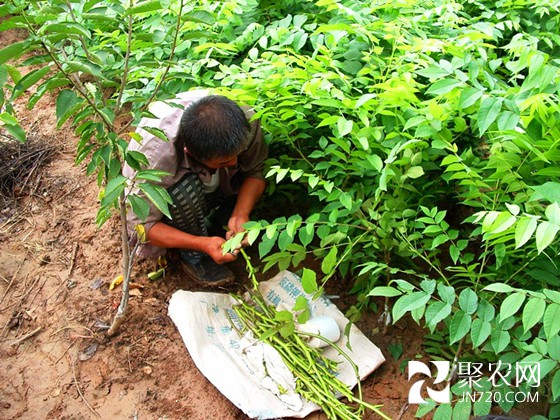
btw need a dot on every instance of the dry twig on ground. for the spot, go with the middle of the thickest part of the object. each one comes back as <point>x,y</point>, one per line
<point>26,336</point>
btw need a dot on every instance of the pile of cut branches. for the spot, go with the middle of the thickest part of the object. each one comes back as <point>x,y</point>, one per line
<point>316,376</point>
<point>19,166</point>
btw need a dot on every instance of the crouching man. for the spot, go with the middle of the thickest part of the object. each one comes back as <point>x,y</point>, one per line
<point>215,159</point>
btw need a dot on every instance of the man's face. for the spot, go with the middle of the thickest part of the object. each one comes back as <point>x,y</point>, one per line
<point>225,162</point>
<point>216,163</point>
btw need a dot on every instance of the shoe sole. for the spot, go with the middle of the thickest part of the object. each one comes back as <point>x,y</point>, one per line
<point>203,283</point>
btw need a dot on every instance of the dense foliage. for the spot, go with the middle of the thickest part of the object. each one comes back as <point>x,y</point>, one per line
<point>418,140</point>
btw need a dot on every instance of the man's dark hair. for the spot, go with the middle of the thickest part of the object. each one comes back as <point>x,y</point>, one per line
<point>213,127</point>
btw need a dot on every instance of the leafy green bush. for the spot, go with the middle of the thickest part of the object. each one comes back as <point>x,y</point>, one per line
<point>425,140</point>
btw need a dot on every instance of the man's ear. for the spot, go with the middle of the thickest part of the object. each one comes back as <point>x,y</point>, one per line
<point>186,150</point>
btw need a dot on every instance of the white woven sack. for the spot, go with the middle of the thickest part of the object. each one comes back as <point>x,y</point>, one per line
<point>221,354</point>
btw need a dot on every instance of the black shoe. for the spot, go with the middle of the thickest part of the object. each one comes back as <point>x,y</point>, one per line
<point>206,272</point>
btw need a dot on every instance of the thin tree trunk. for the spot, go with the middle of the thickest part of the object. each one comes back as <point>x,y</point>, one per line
<point>126,269</point>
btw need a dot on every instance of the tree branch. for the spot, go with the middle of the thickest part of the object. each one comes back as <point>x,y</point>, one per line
<point>162,78</point>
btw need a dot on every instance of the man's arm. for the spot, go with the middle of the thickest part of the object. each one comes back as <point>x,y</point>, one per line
<point>249,193</point>
<point>165,236</point>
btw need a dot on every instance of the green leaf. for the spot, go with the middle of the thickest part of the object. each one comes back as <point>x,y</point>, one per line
<point>396,350</point>
<point>284,316</point>
<point>489,219</point>
<point>364,99</point>
<point>480,331</point>
<point>232,243</point>
<point>507,121</point>
<point>424,409</point>
<point>511,305</point>
<point>482,407</point>
<point>300,303</point>
<point>488,112</point>
<point>16,131</point>
<point>267,243</point>
<point>309,281</point>
<point>158,196</point>
<point>524,230</point>
<point>485,311</point>
<point>304,315</point>
<point>115,168</point>
<point>552,213</point>
<point>329,262</point>
<point>156,132</point>
<point>415,172</point>
<point>200,16</point>
<point>14,73</point>
<point>428,286</point>
<point>147,6</point>
<point>252,235</point>
<point>70,28</point>
<point>443,86</point>
<point>346,200</point>
<point>433,72</point>
<point>437,312</point>
<point>386,291</point>
<point>462,410</point>
<point>513,208</point>
<point>409,303</point>
<point>3,75</point>
<point>344,126</point>
<point>468,301</point>
<point>555,385</point>
<point>12,51</point>
<point>549,191</point>
<point>553,295</point>
<point>499,339</point>
<point>287,330</point>
<point>306,233</point>
<point>446,293</point>
<point>443,412</point>
<point>139,206</point>
<point>293,223</point>
<point>532,313</point>
<point>459,326</point>
<point>284,240</point>
<point>546,232</point>
<point>375,161</point>
<point>8,119</point>
<point>551,320</point>
<point>499,287</point>
<point>29,80</point>
<point>503,222</point>
<point>454,253</point>
<point>271,231</point>
<point>153,175</point>
<point>83,67</point>
<point>65,103</point>
<point>113,190</point>
<point>468,97</point>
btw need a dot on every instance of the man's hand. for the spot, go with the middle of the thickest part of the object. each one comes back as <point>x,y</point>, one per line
<point>250,192</point>
<point>214,248</point>
<point>235,226</point>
